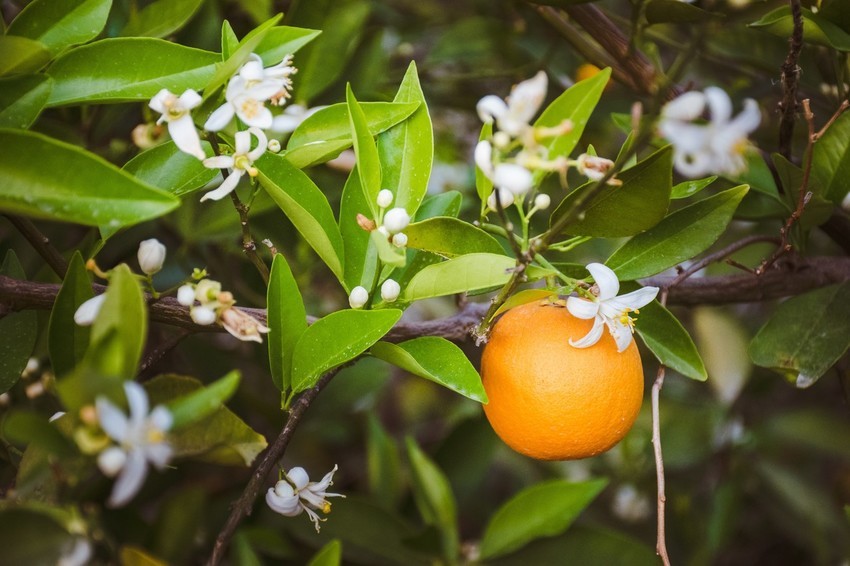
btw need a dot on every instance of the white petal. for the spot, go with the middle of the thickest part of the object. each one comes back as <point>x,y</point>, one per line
<point>327,481</point>
<point>185,136</point>
<point>591,337</point>
<point>685,136</point>
<point>190,99</point>
<point>687,107</point>
<point>243,143</point>
<point>219,119</point>
<point>78,555</point>
<point>161,418</point>
<point>285,123</point>
<point>137,400</point>
<point>252,70</point>
<point>130,480</point>
<point>159,454</point>
<point>484,158</point>
<point>299,478</point>
<point>111,461</point>
<point>582,308</point>
<point>719,104</point>
<point>526,98</point>
<point>265,90</point>
<point>112,420</point>
<point>158,101</point>
<point>636,299</point>
<point>490,107</point>
<point>621,333</point>
<point>262,144</point>
<point>263,118</point>
<point>693,165</point>
<point>289,506</point>
<point>87,312</point>
<point>219,162</point>
<point>515,178</point>
<point>605,279</point>
<point>749,118</point>
<point>237,86</point>
<point>226,187</point>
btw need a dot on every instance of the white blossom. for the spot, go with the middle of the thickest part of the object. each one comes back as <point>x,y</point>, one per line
<point>359,296</point>
<point>292,116</point>
<point>87,312</point>
<point>296,493</point>
<point>506,198</point>
<point>242,325</point>
<point>508,176</point>
<point>241,162</point>
<point>396,220</point>
<point>151,256</point>
<point>203,315</point>
<point>177,112</point>
<point>186,295</point>
<point>514,114</point>
<point>390,290</point>
<point>140,438</point>
<point>385,198</point>
<point>713,147</point>
<point>608,309</point>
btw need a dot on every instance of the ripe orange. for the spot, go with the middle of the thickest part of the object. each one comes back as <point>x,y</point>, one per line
<point>549,400</point>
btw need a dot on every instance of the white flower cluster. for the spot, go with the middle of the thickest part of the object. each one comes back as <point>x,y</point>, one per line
<point>715,146</point>
<point>296,493</point>
<point>245,96</point>
<point>215,305</point>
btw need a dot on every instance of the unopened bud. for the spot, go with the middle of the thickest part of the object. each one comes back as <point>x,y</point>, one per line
<point>202,315</point>
<point>186,295</point>
<point>396,220</point>
<point>151,256</point>
<point>506,198</point>
<point>358,297</point>
<point>111,461</point>
<point>87,312</point>
<point>274,146</point>
<point>400,240</point>
<point>385,198</point>
<point>390,290</point>
<point>366,223</point>
<point>542,201</point>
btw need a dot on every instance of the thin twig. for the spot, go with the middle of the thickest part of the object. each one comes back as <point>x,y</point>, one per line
<point>790,81</point>
<point>249,246</point>
<point>156,353</point>
<point>661,537</point>
<point>844,106</point>
<point>41,243</point>
<point>243,506</point>
<point>721,254</point>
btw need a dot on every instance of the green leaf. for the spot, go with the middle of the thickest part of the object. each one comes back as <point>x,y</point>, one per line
<point>681,236</point>
<point>818,30</point>
<point>806,334</point>
<point>576,104</point>
<point>32,537</point>
<point>665,337</point>
<point>483,184</point>
<point>21,55</point>
<point>59,24</point>
<point>324,134</point>
<point>523,297</point>
<point>202,402</point>
<point>360,252</point>
<point>831,160</point>
<point>435,359</point>
<point>542,510</point>
<point>246,47</point>
<point>450,237</point>
<point>66,340</point>
<point>690,188</point>
<point>161,18</point>
<point>368,163</point>
<point>329,555</point>
<point>33,429</point>
<point>434,498</point>
<point>385,477</point>
<point>166,167</point>
<point>70,184</point>
<point>335,339</point>
<point>229,41</point>
<point>674,11</point>
<point>19,331</point>
<point>22,99</point>
<point>407,149</point>
<point>125,313</point>
<point>616,211</point>
<point>387,253</point>
<point>281,41</point>
<point>287,320</point>
<point>127,69</point>
<point>305,206</point>
<point>180,517</point>
<point>221,437</point>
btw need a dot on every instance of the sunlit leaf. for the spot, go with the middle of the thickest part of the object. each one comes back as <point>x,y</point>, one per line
<point>22,99</point>
<point>59,24</point>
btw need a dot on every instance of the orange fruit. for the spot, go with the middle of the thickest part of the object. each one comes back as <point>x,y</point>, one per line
<point>549,400</point>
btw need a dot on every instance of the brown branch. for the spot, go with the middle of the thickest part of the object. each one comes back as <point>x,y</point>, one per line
<point>721,254</point>
<point>249,246</point>
<point>243,506</point>
<point>790,80</point>
<point>660,481</point>
<point>41,243</point>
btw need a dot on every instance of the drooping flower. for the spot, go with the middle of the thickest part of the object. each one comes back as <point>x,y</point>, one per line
<point>608,309</point>
<point>713,147</point>
<point>296,493</point>
<point>513,115</point>
<point>151,256</point>
<point>177,112</point>
<point>140,438</point>
<point>241,162</point>
<point>242,325</point>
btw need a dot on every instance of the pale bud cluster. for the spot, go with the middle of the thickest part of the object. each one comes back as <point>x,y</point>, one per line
<point>359,296</point>
<point>392,222</point>
<point>214,305</point>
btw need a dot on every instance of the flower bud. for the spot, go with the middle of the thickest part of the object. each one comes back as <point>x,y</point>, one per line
<point>151,256</point>
<point>593,167</point>
<point>274,146</point>
<point>186,295</point>
<point>515,178</point>
<point>400,240</point>
<point>202,315</point>
<point>87,312</point>
<point>396,220</point>
<point>542,201</point>
<point>390,290</point>
<point>385,198</point>
<point>505,197</point>
<point>358,297</point>
<point>365,223</point>
<point>111,461</point>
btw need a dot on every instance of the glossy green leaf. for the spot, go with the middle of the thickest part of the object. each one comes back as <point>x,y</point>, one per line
<point>483,184</point>
<point>450,237</point>
<point>806,334</point>
<point>368,163</point>
<point>818,30</point>
<point>324,134</point>
<point>161,18</point>
<point>66,340</point>
<point>673,11</point>
<point>231,65</point>
<point>70,184</point>
<point>287,320</point>
<point>616,211</point>
<point>221,437</point>
<point>434,498</point>
<point>435,359</point>
<point>328,555</point>
<point>21,55</point>
<point>125,313</point>
<point>679,237</point>
<point>305,206</point>
<point>18,329</point>
<point>665,336</point>
<point>33,429</point>
<point>22,99</point>
<point>523,297</point>
<point>229,41</point>
<point>407,149</point>
<point>542,510</point>
<point>360,251</point>
<point>281,41</point>
<point>384,462</point>
<point>831,160</point>
<point>179,518</point>
<point>166,167</point>
<point>201,403</point>
<point>387,252</point>
<point>59,24</point>
<point>128,69</point>
<point>576,104</point>
<point>335,339</point>
<point>687,189</point>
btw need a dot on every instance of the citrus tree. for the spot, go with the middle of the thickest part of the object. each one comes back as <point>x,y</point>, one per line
<point>234,241</point>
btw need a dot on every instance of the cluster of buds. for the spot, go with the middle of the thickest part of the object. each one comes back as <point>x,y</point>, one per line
<point>359,296</point>
<point>208,304</point>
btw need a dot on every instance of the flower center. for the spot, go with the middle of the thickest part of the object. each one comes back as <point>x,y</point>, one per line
<point>627,320</point>
<point>250,108</point>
